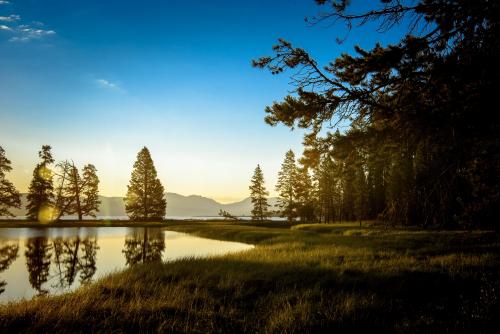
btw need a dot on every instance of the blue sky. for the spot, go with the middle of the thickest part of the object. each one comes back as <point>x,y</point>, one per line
<point>98,80</point>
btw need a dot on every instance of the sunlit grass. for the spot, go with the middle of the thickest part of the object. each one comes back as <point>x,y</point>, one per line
<point>303,278</point>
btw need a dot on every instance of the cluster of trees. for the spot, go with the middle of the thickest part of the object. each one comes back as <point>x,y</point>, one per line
<point>423,146</point>
<point>61,189</point>
<point>54,191</point>
<point>295,189</point>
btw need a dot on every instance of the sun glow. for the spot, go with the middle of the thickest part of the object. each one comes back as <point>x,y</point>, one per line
<point>47,213</point>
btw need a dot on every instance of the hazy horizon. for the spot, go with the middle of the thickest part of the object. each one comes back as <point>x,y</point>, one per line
<point>98,81</point>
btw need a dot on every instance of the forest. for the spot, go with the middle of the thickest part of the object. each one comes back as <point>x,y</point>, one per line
<point>389,214</point>
<point>422,145</point>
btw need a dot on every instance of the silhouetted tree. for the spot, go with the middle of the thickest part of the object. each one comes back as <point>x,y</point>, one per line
<point>145,198</point>
<point>9,196</point>
<point>77,194</point>
<point>305,195</point>
<point>227,215</point>
<point>62,197</point>
<point>287,185</point>
<point>258,195</point>
<point>328,189</point>
<point>40,195</point>
<point>90,192</point>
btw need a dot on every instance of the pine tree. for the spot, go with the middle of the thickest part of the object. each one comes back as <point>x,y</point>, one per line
<point>286,186</point>
<point>40,196</point>
<point>361,198</point>
<point>90,191</point>
<point>258,194</point>
<point>304,195</point>
<point>145,198</point>
<point>9,196</point>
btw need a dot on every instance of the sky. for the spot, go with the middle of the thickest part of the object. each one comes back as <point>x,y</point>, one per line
<point>98,80</point>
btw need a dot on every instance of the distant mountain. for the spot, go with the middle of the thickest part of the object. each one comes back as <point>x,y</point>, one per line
<point>177,205</point>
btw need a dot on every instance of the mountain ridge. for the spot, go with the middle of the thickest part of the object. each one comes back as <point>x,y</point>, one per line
<point>177,205</point>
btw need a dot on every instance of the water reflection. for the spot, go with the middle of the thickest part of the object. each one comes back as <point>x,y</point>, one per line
<point>35,262</point>
<point>8,253</point>
<point>74,256</point>
<point>144,246</point>
<point>38,254</point>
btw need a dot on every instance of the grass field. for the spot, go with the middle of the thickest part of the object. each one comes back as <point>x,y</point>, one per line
<point>298,278</point>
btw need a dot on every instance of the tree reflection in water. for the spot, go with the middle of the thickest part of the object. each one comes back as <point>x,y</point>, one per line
<point>144,246</point>
<point>9,251</point>
<point>72,256</point>
<point>68,256</point>
<point>38,254</point>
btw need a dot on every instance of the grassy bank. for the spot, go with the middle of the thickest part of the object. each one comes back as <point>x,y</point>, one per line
<point>301,278</point>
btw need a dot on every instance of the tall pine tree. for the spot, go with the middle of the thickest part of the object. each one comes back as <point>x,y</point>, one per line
<point>258,195</point>
<point>40,195</point>
<point>90,191</point>
<point>286,186</point>
<point>305,195</point>
<point>145,198</point>
<point>9,196</point>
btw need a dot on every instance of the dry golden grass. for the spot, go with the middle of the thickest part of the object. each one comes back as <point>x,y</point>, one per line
<point>298,279</point>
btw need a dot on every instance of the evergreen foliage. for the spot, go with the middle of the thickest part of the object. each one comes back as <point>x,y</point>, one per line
<point>287,187</point>
<point>40,195</point>
<point>421,128</point>
<point>145,198</point>
<point>258,195</point>
<point>9,196</point>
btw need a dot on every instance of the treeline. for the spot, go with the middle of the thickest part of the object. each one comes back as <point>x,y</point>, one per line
<point>55,189</point>
<point>423,145</point>
<point>60,189</point>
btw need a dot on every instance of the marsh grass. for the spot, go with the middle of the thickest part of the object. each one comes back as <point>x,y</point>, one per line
<point>298,278</point>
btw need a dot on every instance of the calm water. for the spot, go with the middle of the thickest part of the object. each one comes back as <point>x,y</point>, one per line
<point>35,261</point>
<point>166,217</point>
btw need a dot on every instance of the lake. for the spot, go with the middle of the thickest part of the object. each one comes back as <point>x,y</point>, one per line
<point>37,261</point>
<point>99,217</point>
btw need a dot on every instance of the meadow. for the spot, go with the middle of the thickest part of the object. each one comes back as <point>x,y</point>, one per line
<point>299,278</point>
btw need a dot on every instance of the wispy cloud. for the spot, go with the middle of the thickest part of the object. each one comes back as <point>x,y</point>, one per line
<point>25,33</point>
<point>10,18</point>
<point>106,84</point>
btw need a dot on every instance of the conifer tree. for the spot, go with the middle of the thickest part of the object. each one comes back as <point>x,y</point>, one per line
<point>304,195</point>
<point>40,195</point>
<point>145,198</point>
<point>258,195</point>
<point>9,196</point>
<point>286,186</point>
<point>90,191</point>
